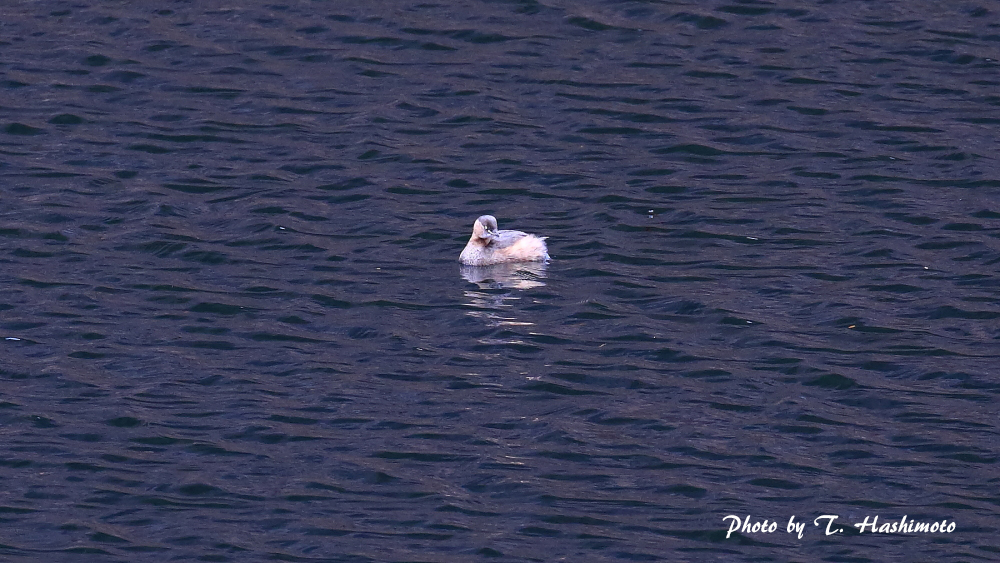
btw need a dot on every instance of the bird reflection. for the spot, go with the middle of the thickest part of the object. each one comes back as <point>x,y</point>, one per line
<point>519,275</point>
<point>496,288</point>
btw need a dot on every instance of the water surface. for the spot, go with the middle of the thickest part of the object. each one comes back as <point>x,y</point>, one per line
<point>235,329</point>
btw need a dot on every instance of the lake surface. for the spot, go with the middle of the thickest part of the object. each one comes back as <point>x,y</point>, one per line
<point>233,326</point>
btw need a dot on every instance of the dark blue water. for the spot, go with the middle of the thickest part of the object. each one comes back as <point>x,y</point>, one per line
<point>234,327</point>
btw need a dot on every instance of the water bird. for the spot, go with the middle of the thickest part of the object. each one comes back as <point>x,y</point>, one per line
<point>489,245</point>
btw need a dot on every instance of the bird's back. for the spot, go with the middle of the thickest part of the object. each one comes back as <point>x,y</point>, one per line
<point>506,239</point>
